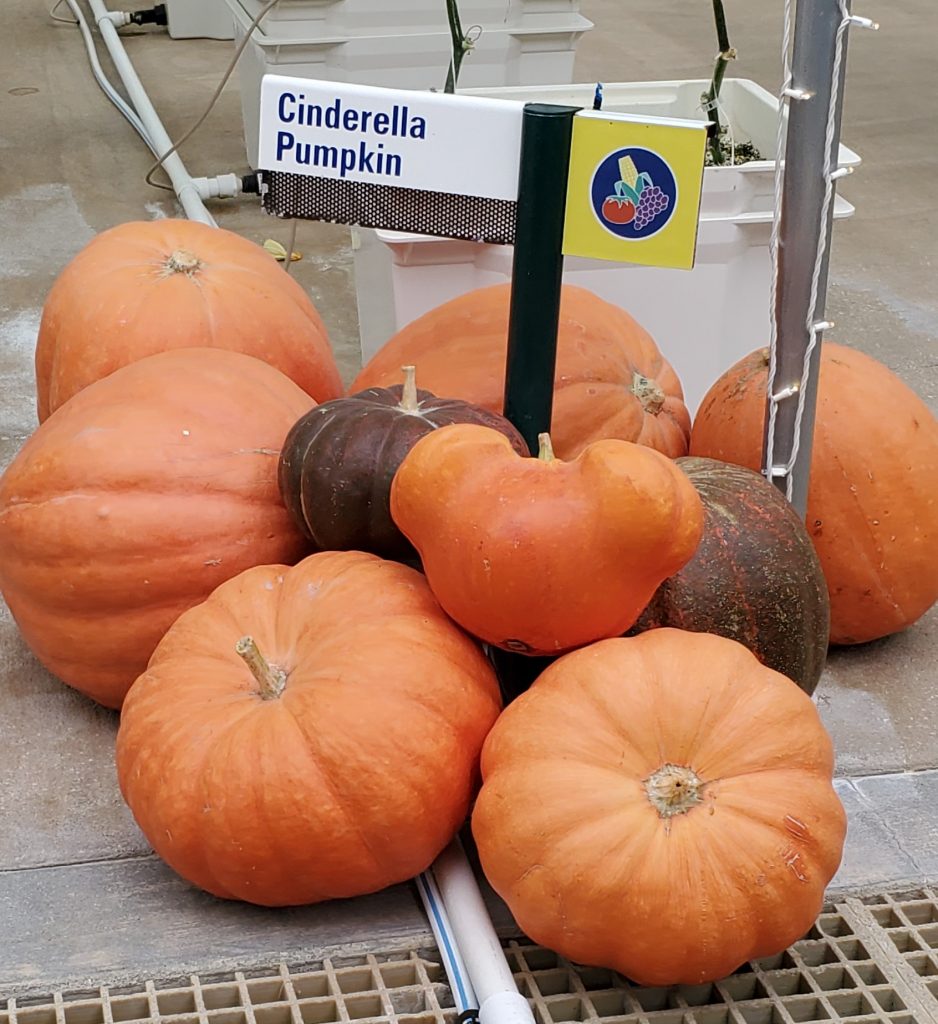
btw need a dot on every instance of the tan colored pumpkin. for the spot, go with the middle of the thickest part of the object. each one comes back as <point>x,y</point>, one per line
<point>873,494</point>
<point>135,499</point>
<point>307,733</point>
<point>147,287</point>
<point>661,805</point>
<point>611,381</point>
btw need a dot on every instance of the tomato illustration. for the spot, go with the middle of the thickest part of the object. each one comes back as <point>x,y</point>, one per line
<point>618,211</point>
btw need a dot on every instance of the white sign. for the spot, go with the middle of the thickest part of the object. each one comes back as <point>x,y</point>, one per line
<point>458,145</point>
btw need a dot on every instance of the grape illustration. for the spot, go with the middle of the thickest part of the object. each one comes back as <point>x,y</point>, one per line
<point>652,203</point>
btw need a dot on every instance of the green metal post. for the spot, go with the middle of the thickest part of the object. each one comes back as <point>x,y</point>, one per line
<point>538,268</point>
<point>535,309</point>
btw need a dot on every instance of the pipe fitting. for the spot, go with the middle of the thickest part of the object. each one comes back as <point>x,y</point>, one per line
<point>119,19</point>
<point>223,186</point>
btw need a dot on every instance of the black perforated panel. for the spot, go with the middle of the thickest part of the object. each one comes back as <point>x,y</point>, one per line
<point>386,206</point>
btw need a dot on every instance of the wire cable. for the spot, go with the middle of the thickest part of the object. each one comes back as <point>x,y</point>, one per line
<point>211,104</point>
<point>290,247</point>
<point>57,17</point>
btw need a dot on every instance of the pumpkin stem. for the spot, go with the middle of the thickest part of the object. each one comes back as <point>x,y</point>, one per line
<point>648,393</point>
<point>545,450</point>
<point>181,261</point>
<point>409,401</point>
<point>673,789</point>
<point>271,679</point>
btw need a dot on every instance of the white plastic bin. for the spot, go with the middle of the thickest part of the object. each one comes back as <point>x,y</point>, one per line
<point>704,319</point>
<point>199,19</point>
<point>540,50</point>
<point>752,113</point>
<point>366,17</point>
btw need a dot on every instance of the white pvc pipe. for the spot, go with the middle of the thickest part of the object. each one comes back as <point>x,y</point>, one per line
<point>500,1002</point>
<point>456,973</point>
<point>182,182</point>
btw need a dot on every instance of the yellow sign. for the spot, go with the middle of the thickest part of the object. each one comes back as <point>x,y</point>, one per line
<point>634,189</point>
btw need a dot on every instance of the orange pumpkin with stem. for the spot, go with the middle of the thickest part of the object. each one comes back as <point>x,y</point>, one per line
<point>873,492</point>
<point>662,806</point>
<point>143,288</point>
<point>307,733</point>
<point>611,381</point>
<point>137,498</point>
<point>541,555</point>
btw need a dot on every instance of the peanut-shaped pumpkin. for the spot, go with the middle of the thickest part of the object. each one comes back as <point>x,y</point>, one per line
<point>539,555</point>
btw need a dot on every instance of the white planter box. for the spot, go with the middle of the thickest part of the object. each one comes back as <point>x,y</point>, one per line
<point>537,51</point>
<point>199,19</point>
<point>367,17</point>
<point>704,320</point>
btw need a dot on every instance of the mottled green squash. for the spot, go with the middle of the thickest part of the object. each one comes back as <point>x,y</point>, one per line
<point>755,578</point>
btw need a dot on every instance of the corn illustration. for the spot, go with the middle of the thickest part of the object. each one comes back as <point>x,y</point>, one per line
<point>628,172</point>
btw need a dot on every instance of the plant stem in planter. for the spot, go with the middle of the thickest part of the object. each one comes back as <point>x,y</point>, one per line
<point>726,54</point>
<point>462,44</point>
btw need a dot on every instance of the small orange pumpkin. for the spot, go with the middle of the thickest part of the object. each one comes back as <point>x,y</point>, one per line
<point>135,499</point>
<point>873,493</point>
<point>662,806</point>
<point>540,555</point>
<point>307,734</point>
<point>146,287</point>
<point>611,380</point>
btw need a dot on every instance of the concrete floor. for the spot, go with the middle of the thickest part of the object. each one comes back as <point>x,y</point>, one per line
<point>81,898</point>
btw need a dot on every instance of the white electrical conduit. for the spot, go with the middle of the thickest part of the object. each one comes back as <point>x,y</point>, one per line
<point>112,94</point>
<point>500,1002</point>
<point>456,974</point>
<point>157,139</point>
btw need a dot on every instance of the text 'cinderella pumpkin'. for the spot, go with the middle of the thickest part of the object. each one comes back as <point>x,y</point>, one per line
<point>540,555</point>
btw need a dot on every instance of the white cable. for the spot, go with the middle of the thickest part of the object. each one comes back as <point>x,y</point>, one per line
<point>183,186</point>
<point>773,242</point>
<point>107,88</point>
<point>729,130</point>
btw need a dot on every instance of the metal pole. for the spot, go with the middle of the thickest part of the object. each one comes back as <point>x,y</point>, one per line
<point>803,191</point>
<point>537,268</point>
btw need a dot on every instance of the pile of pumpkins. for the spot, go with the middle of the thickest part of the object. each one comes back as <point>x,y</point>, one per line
<point>298,600</point>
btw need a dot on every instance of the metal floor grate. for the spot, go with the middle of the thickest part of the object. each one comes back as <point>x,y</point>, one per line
<point>911,922</point>
<point>871,961</point>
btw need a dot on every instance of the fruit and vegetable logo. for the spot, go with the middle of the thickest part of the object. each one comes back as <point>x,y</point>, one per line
<point>634,193</point>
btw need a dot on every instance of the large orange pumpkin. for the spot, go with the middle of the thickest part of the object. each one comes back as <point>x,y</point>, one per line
<point>611,380</point>
<point>307,733</point>
<point>662,806</point>
<point>143,288</point>
<point>540,555</point>
<point>133,502</point>
<point>873,494</point>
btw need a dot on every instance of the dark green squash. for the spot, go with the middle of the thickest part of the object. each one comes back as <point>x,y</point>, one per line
<point>755,578</point>
<point>338,462</point>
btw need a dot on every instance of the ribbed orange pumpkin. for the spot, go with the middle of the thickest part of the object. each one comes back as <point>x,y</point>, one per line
<point>662,806</point>
<point>611,380</point>
<point>142,288</point>
<point>137,498</point>
<point>307,733</point>
<point>541,555</point>
<point>873,495</point>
